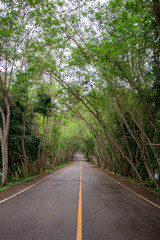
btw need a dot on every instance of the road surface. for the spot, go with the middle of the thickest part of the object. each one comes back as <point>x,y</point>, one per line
<point>78,202</point>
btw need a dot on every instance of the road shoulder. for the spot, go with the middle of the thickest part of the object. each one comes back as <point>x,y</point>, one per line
<point>15,189</point>
<point>137,189</point>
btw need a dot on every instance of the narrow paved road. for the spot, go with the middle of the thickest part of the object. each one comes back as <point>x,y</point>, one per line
<point>49,210</point>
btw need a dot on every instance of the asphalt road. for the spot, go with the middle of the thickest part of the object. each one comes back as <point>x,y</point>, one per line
<point>49,210</point>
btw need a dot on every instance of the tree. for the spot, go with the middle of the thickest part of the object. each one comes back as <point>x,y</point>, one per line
<point>13,44</point>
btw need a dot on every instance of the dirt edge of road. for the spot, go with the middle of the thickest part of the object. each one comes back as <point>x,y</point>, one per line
<point>137,189</point>
<point>22,186</point>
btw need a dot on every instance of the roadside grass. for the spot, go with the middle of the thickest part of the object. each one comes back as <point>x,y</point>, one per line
<point>15,181</point>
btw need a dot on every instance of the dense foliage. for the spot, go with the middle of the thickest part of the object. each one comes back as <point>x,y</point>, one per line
<point>80,75</point>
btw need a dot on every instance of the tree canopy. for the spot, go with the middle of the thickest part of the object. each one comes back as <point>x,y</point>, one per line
<point>80,75</point>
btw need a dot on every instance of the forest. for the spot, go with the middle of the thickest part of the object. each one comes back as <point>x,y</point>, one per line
<point>80,75</point>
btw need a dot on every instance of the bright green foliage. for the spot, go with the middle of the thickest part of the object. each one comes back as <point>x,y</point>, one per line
<point>83,76</point>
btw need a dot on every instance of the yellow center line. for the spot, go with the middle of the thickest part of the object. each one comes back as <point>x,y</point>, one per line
<point>79,221</point>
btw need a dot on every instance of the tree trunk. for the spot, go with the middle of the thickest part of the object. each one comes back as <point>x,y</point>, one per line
<point>60,140</point>
<point>49,139</point>
<point>4,138</point>
<point>23,148</point>
<point>45,128</point>
<point>4,147</point>
<point>38,161</point>
<point>156,7</point>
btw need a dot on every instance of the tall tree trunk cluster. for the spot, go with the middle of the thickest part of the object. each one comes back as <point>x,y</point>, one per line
<point>113,149</point>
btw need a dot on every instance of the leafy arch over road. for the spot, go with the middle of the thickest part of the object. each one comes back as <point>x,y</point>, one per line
<point>97,63</point>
